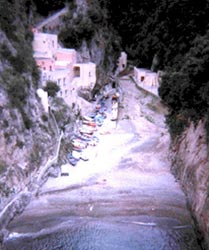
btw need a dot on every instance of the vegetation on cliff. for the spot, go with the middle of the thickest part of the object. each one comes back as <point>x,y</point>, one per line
<point>24,134</point>
<point>91,25</point>
<point>18,68</point>
<point>174,34</point>
<point>163,28</point>
<point>186,91</point>
<point>45,7</point>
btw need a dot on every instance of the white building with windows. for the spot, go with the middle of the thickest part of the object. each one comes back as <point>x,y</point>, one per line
<point>147,79</point>
<point>84,74</point>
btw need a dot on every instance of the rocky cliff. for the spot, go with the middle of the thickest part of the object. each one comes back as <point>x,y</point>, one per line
<point>190,156</point>
<point>28,135</point>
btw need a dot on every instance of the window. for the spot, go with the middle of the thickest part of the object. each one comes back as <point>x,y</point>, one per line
<point>76,71</point>
<point>44,77</point>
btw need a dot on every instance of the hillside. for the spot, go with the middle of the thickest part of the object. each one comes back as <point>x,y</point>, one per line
<point>25,128</point>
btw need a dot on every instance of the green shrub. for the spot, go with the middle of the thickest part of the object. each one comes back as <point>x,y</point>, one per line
<point>5,52</point>
<point>5,190</point>
<point>19,144</point>
<point>51,88</point>
<point>5,124</point>
<point>26,120</point>
<point>149,118</point>
<point>176,124</point>
<point>17,94</point>
<point>95,15</point>
<point>16,86</point>
<point>82,29</point>
<point>35,74</point>
<point>6,136</point>
<point>44,118</point>
<point>23,62</point>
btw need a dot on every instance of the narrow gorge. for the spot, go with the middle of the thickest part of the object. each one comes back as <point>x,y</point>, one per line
<point>146,182</point>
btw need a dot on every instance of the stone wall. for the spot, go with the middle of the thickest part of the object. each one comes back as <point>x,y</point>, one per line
<point>190,156</point>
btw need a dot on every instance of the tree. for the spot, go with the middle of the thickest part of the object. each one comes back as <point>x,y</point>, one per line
<point>51,88</point>
<point>153,27</point>
<point>186,91</point>
<point>45,6</point>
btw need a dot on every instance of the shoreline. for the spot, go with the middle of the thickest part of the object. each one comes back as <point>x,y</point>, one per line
<point>128,177</point>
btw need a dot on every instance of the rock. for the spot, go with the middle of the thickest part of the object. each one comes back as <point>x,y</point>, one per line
<point>3,234</point>
<point>16,206</point>
<point>53,171</point>
<point>190,164</point>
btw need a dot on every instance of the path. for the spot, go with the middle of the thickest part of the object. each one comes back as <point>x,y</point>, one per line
<point>52,18</point>
<point>128,179</point>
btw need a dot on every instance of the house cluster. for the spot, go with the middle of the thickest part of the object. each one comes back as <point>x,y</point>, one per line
<point>60,65</point>
<point>145,78</point>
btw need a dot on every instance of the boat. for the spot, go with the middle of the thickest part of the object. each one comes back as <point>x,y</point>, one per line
<point>87,118</point>
<point>90,123</point>
<point>77,143</point>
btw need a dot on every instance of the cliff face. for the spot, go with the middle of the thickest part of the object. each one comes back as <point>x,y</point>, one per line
<point>28,135</point>
<point>190,156</point>
<point>27,139</point>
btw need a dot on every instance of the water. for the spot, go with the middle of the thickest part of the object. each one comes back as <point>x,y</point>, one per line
<point>108,234</point>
